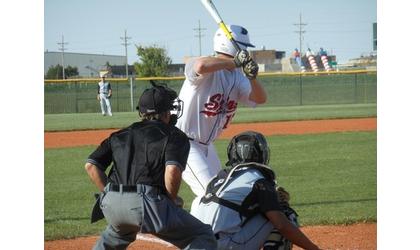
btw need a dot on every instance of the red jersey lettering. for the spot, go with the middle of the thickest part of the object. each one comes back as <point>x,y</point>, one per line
<point>216,105</point>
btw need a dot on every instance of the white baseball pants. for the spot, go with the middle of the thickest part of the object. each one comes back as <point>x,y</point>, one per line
<point>202,165</point>
<point>105,104</point>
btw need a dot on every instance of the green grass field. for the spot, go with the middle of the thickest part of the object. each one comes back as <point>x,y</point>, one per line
<point>331,177</point>
<point>83,121</point>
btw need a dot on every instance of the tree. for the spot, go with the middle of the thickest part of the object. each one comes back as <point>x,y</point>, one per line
<point>108,67</point>
<point>71,71</point>
<point>56,72</point>
<point>154,61</point>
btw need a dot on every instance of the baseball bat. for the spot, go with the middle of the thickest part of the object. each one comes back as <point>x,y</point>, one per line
<point>208,4</point>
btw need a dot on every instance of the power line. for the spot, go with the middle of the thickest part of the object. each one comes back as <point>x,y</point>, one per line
<point>62,53</point>
<point>300,31</point>
<point>199,29</point>
<point>125,38</point>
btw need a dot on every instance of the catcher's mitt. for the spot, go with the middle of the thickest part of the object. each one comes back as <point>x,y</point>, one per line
<point>275,241</point>
<point>283,195</point>
<point>284,198</point>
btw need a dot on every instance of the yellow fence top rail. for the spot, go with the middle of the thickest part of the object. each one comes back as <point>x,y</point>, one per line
<point>118,80</point>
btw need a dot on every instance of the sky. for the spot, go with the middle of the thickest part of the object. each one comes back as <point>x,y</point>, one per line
<point>343,28</point>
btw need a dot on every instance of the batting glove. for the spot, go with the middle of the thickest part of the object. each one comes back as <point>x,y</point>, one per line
<point>251,69</point>
<point>241,58</point>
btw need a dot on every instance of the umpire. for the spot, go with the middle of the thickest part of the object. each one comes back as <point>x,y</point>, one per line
<point>140,192</point>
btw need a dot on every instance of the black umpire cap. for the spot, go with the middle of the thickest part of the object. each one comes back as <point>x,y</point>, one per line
<point>156,100</point>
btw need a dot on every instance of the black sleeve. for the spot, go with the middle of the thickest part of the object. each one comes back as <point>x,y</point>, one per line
<point>110,86</point>
<point>177,150</point>
<point>98,88</point>
<point>102,156</point>
<point>266,195</point>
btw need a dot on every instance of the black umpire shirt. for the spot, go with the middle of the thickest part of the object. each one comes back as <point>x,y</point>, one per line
<point>140,152</point>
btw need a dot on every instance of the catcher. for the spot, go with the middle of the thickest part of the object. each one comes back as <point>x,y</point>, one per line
<point>243,205</point>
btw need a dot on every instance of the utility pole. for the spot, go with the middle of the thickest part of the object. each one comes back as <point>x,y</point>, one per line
<point>125,43</point>
<point>125,38</point>
<point>199,29</point>
<point>300,31</point>
<point>62,53</point>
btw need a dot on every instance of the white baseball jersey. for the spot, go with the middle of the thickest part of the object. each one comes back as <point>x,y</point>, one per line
<point>103,87</point>
<point>210,102</point>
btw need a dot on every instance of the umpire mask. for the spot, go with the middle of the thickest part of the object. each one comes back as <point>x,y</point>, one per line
<point>176,111</point>
<point>159,99</point>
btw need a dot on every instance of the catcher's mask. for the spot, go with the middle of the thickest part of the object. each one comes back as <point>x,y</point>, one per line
<point>158,99</point>
<point>246,147</point>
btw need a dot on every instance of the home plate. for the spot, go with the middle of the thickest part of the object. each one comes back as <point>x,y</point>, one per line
<point>151,238</point>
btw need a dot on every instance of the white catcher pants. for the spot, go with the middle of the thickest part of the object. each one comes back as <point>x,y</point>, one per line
<point>202,165</point>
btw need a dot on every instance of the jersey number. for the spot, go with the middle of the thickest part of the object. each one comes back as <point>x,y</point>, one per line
<point>228,119</point>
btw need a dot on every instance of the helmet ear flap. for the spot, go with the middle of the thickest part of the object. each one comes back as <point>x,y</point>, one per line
<point>264,149</point>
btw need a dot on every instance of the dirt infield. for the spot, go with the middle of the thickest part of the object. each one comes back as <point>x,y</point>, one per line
<point>94,137</point>
<point>357,236</point>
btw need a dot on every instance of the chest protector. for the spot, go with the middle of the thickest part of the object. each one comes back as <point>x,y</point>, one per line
<point>223,205</point>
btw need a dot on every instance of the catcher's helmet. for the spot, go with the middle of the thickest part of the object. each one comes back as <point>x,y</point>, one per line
<point>248,146</point>
<point>159,99</point>
<point>222,44</point>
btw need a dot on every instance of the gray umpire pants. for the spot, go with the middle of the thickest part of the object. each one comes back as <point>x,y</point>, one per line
<point>149,211</point>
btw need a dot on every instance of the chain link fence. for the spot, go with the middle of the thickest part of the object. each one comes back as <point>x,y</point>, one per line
<point>293,89</point>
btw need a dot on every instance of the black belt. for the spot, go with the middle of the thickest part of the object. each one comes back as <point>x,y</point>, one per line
<point>192,139</point>
<point>125,188</point>
<point>133,188</point>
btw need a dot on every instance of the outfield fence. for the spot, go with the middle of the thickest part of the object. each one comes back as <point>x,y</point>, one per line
<point>284,89</point>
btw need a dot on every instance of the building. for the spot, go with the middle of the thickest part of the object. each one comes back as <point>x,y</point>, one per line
<point>176,69</point>
<point>267,56</point>
<point>88,65</point>
<point>119,70</point>
<point>366,61</point>
<point>268,60</point>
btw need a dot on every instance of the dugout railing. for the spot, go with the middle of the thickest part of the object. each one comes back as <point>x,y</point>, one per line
<point>284,89</point>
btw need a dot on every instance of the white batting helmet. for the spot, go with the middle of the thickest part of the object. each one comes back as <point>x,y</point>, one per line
<point>222,44</point>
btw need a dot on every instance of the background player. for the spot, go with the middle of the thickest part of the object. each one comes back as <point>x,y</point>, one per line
<point>211,91</point>
<point>104,94</point>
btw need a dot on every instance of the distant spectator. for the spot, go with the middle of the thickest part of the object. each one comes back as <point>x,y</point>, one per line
<point>322,52</point>
<point>296,53</point>
<point>298,60</point>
